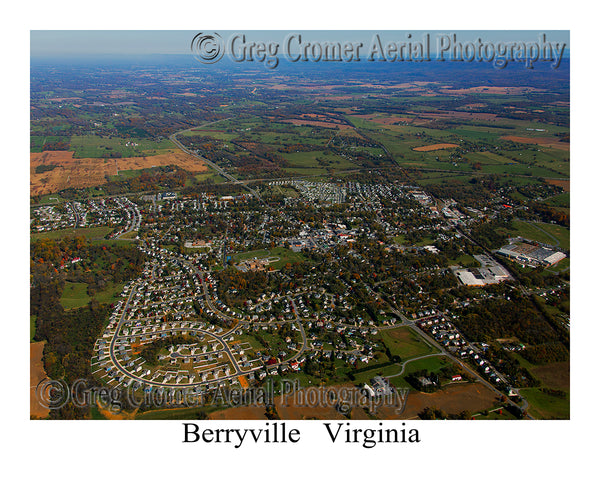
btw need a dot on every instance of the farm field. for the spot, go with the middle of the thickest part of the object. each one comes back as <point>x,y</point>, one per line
<point>538,141</point>
<point>434,147</point>
<point>94,146</point>
<point>36,375</point>
<point>562,200</point>
<point>554,375</point>
<point>452,399</point>
<point>312,160</point>
<point>73,172</point>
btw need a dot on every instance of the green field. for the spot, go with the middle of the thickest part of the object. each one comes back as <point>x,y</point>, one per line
<point>560,200</point>
<point>129,235</point>
<point>401,240</point>
<point>533,161</point>
<point>285,255</point>
<point>75,294</point>
<point>92,232</point>
<point>545,406</point>
<point>384,371</point>
<point>238,257</point>
<point>542,232</point>
<point>32,320</point>
<point>405,343</point>
<point>38,141</point>
<point>465,261</point>
<point>94,146</point>
<point>564,264</point>
<point>431,364</point>
<point>210,176</point>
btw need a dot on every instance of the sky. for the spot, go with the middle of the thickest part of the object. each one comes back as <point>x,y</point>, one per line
<point>64,43</point>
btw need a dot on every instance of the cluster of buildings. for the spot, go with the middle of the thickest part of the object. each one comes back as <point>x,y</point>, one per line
<point>447,335</point>
<point>114,212</point>
<point>531,254</point>
<point>317,191</point>
<point>489,272</point>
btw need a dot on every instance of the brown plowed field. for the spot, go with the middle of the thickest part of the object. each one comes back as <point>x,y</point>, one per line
<point>36,375</point>
<point>240,413</point>
<point>437,146</point>
<point>91,172</point>
<point>451,399</point>
<point>317,123</point>
<point>372,117</point>
<point>542,141</point>
<point>492,90</point>
<point>565,184</point>
<point>554,375</point>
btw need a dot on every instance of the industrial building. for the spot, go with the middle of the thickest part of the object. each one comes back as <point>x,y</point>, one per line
<point>489,272</point>
<point>530,254</point>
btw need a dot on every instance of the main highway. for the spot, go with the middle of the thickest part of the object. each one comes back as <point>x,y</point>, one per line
<point>213,165</point>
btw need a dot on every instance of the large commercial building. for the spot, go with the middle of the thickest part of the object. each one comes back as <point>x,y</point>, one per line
<point>531,254</point>
<point>489,272</point>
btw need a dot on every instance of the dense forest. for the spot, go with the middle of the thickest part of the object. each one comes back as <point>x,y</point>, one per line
<point>70,334</point>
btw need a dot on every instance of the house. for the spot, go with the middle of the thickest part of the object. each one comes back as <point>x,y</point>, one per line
<point>424,381</point>
<point>378,387</point>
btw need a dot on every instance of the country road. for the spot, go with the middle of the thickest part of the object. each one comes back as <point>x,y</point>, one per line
<point>213,165</point>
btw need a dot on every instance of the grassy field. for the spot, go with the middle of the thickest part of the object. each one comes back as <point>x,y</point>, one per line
<point>316,160</point>
<point>93,232</point>
<point>465,261</point>
<point>554,376</point>
<point>176,413</point>
<point>215,177</point>
<point>38,141</point>
<point>129,235</point>
<point>287,191</point>
<point>384,371</point>
<point>285,256</point>
<point>532,160</point>
<point>405,343</point>
<point>564,264</point>
<point>401,240</point>
<point>110,294</point>
<point>560,200</point>
<point>545,406</point>
<point>94,146</point>
<point>238,257</point>
<point>539,232</point>
<point>75,294</point>
<point>431,364</point>
<point>32,320</point>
